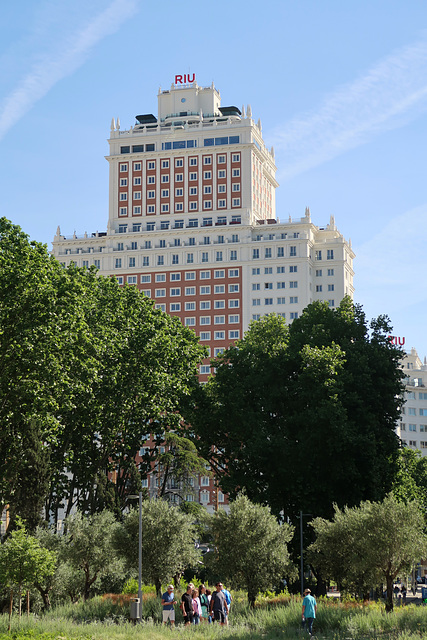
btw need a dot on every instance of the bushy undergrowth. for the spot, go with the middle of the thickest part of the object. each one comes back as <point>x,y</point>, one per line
<point>107,618</point>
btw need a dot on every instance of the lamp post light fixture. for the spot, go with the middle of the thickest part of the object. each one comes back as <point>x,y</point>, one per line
<point>133,497</point>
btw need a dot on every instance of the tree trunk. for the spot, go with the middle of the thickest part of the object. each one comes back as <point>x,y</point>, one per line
<point>389,600</point>
<point>45,595</point>
<point>10,609</point>
<point>28,603</point>
<point>251,599</point>
<point>20,601</point>
<point>158,585</point>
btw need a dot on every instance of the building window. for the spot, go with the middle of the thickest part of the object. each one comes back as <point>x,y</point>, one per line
<point>235,186</point>
<point>179,162</point>
<point>330,254</point>
<point>193,176</point>
<point>235,157</point>
<point>207,204</point>
<point>190,291</point>
<point>293,284</point>
<point>165,164</point>
<point>118,263</point>
<point>256,302</point>
<point>123,168</point>
<point>123,211</point>
<point>219,320</point>
<point>219,335</point>
<point>145,261</point>
<point>293,300</point>
<point>236,173</point>
<point>205,290</point>
<point>331,303</point>
<point>330,272</point>
<point>205,335</point>
<point>292,251</point>
<point>205,320</point>
<point>221,204</point>
<point>281,300</point>
<point>221,188</point>
<point>331,287</point>
<point>268,252</point>
<point>207,175</point>
<point>255,254</point>
<point>165,178</point>
<point>293,315</point>
<point>236,202</point>
<point>268,301</point>
<point>318,288</point>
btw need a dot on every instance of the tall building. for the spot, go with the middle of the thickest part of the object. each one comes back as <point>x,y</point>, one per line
<point>412,428</point>
<point>192,222</point>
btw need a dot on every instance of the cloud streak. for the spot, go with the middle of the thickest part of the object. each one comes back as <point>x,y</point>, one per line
<point>62,59</point>
<point>389,95</point>
<point>389,265</point>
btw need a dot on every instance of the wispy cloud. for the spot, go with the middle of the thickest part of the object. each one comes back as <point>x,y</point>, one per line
<point>389,264</point>
<point>61,59</point>
<point>389,95</point>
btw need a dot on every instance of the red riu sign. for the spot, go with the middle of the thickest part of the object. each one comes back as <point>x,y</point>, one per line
<point>397,341</point>
<point>187,78</point>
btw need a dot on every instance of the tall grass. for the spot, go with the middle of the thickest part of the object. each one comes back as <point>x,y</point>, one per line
<point>107,618</point>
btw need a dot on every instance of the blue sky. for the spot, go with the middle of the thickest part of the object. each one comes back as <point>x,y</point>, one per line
<point>340,87</point>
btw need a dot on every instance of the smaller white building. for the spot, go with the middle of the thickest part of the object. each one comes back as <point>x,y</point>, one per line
<point>412,428</point>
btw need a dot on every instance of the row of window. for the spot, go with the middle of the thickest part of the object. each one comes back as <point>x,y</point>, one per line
<point>207,320</point>
<point>164,179</point>
<point>256,302</point>
<point>329,255</point>
<point>233,334</point>
<point>413,443</point>
<point>280,252</point>
<point>411,395</point>
<point>413,427</point>
<point>205,305</point>
<point>319,272</point>
<point>179,162</point>
<point>192,223</point>
<point>256,286</point>
<point>411,411</point>
<point>293,315</point>
<point>179,206</point>
<point>191,275</point>
<point>319,287</point>
<point>191,291</point>
<point>256,271</point>
<point>189,259</point>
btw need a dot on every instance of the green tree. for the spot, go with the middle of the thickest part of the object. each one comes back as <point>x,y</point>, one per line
<point>88,368</point>
<point>23,561</point>
<point>369,545</point>
<point>251,547</point>
<point>410,482</point>
<point>89,546</point>
<point>288,405</point>
<point>178,465</point>
<point>168,537</point>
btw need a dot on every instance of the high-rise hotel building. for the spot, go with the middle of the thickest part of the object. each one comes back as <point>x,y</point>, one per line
<point>192,221</point>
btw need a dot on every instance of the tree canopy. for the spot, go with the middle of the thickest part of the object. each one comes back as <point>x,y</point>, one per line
<point>366,546</point>
<point>302,416</point>
<point>88,369</point>
<point>250,547</point>
<point>168,536</point>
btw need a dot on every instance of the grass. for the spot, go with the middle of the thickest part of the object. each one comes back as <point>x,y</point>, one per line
<point>106,618</point>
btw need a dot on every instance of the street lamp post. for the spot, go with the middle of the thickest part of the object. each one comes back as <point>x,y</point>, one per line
<point>139,553</point>
<point>301,515</point>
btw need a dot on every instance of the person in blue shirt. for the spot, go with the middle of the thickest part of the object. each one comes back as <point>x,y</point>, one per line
<point>309,610</point>
<point>168,600</point>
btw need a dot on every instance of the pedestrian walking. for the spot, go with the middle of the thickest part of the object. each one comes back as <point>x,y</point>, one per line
<point>218,606</point>
<point>187,604</point>
<point>204,603</point>
<point>309,610</point>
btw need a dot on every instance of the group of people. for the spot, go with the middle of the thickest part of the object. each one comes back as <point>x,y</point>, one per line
<point>198,605</point>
